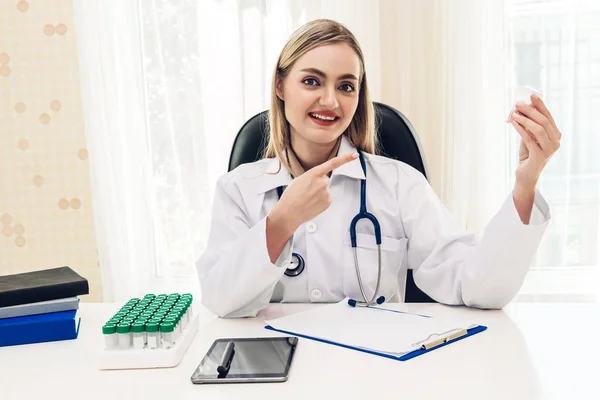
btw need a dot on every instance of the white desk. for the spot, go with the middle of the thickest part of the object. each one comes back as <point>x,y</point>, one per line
<point>530,351</point>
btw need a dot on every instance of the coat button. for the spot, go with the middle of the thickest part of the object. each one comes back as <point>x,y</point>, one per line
<point>316,294</point>
<point>311,227</point>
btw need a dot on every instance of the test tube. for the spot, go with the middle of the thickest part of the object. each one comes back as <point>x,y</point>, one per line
<point>190,299</point>
<point>189,311</point>
<point>139,335</point>
<point>186,316</point>
<point>180,312</point>
<point>169,303</point>
<point>152,335</point>
<point>120,315</point>
<point>173,320</point>
<point>166,335</point>
<point>111,340</point>
<point>161,297</point>
<point>147,314</point>
<point>127,307</point>
<point>180,324</point>
<point>143,304</point>
<point>124,335</point>
<point>138,311</point>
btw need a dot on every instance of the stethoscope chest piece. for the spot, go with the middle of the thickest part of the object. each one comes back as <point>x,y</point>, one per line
<point>296,265</point>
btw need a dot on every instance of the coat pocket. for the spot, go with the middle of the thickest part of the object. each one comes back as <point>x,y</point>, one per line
<point>392,263</point>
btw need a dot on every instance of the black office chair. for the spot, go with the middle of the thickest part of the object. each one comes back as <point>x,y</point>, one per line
<point>397,140</point>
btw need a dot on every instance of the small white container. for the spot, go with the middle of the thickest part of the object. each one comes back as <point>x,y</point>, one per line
<point>167,335</point>
<point>111,339</point>
<point>183,322</point>
<point>178,328</point>
<point>139,335</point>
<point>152,336</point>
<point>522,94</point>
<point>187,316</point>
<point>181,311</point>
<point>124,335</point>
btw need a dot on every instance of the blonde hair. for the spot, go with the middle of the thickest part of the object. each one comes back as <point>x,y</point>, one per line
<point>362,131</point>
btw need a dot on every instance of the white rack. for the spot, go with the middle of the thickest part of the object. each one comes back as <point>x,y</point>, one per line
<point>147,358</point>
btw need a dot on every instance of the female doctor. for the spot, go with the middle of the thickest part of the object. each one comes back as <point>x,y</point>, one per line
<point>281,226</point>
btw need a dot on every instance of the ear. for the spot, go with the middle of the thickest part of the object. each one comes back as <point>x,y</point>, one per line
<point>279,87</point>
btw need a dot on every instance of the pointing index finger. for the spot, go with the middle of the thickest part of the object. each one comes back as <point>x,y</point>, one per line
<point>334,163</point>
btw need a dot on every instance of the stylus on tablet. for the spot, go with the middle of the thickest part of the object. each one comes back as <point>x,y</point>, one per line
<point>226,359</point>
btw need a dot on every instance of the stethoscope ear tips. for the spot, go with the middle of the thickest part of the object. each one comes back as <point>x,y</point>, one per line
<point>352,303</point>
<point>381,300</point>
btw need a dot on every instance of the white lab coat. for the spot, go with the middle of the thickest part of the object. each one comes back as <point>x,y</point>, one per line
<point>451,265</point>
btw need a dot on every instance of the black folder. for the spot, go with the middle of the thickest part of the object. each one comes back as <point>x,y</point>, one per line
<point>43,285</point>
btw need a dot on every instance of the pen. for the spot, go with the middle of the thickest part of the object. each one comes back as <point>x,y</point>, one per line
<point>226,359</point>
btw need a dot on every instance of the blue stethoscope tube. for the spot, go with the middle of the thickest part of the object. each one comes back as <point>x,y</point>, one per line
<point>363,214</point>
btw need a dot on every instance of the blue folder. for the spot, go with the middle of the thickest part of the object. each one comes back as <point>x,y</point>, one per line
<point>438,343</point>
<point>63,325</point>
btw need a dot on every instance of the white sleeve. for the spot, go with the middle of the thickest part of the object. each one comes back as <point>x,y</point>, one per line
<point>236,275</point>
<point>452,265</point>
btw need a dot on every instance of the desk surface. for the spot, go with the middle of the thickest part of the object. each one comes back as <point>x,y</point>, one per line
<point>530,351</point>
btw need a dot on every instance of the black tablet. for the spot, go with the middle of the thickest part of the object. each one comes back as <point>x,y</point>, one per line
<point>242,360</point>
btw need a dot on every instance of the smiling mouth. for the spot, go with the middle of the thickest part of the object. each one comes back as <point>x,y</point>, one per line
<point>323,118</point>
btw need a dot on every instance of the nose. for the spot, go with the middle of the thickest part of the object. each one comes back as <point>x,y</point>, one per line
<point>329,99</point>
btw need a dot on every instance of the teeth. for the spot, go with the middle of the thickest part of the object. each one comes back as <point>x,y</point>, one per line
<point>322,117</point>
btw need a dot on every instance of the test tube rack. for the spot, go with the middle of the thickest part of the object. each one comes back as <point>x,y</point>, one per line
<point>114,355</point>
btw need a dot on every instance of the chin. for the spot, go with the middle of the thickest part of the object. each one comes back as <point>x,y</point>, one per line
<point>323,136</point>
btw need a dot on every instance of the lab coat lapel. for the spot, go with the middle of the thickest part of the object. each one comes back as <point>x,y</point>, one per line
<point>255,187</point>
<point>351,169</point>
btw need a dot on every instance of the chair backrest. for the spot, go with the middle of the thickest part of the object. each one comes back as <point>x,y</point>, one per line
<point>397,140</point>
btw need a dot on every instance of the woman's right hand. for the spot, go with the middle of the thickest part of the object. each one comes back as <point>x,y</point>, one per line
<point>307,197</point>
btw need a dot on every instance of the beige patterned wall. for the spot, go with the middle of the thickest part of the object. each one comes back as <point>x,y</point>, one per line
<point>45,197</point>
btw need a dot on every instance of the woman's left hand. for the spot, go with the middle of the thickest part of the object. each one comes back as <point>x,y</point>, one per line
<point>540,139</point>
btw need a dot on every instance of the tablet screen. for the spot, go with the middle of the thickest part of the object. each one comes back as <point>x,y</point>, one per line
<point>252,358</point>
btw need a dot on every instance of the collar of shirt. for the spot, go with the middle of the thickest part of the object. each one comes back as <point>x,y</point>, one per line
<point>296,168</point>
<point>276,175</point>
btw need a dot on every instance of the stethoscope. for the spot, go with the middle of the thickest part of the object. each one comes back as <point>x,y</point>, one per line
<point>297,262</point>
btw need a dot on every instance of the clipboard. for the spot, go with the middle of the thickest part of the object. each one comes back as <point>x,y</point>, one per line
<point>329,324</point>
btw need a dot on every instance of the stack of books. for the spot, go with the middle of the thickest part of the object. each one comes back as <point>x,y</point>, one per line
<point>40,306</point>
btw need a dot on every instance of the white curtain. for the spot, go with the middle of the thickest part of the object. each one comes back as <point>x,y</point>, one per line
<point>140,77</point>
<point>116,127</point>
<point>167,85</point>
<point>443,66</point>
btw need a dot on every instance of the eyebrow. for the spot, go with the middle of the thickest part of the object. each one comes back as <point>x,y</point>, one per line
<point>324,76</point>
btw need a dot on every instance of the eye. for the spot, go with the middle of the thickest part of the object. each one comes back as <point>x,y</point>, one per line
<point>310,82</point>
<point>346,87</point>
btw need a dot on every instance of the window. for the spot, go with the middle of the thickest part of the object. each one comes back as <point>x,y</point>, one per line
<point>555,47</point>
